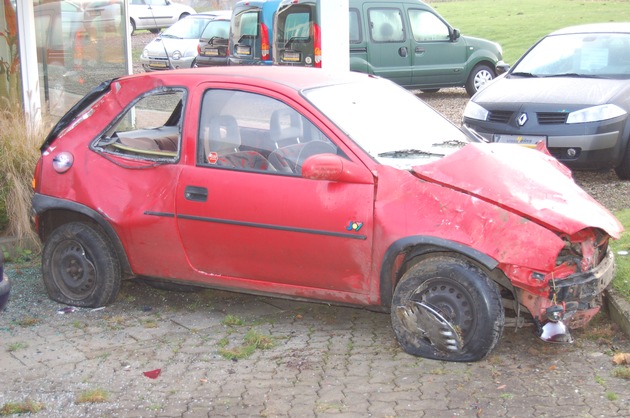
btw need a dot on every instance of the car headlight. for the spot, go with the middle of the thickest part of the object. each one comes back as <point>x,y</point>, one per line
<point>176,55</point>
<point>596,113</point>
<point>145,53</point>
<point>475,111</point>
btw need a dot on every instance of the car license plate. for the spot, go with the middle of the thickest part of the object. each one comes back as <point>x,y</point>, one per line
<point>291,56</point>
<point>243,50</point>
<point>212,52</point>
<point>525,140</point>
<point>157,64</point>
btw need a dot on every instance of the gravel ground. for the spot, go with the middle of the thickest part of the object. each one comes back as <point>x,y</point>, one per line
<point>604,186</point>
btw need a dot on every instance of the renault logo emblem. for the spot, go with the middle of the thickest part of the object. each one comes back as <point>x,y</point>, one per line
<point>522,120</point>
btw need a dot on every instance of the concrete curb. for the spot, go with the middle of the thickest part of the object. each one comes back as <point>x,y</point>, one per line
<point>618,309</point>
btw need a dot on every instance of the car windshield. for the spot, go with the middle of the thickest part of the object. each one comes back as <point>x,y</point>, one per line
<point>388,122</point>
<point>188,28</point>
<point>604,55</point>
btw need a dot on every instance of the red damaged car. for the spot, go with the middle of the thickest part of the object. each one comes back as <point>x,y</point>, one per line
<point>299,183</point>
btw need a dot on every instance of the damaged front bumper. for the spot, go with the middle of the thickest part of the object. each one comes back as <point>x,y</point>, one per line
<point>572,302</point>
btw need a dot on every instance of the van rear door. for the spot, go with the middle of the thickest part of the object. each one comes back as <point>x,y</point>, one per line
<point>295,29</point>
<point>244,37</point>
<point>389,45</point>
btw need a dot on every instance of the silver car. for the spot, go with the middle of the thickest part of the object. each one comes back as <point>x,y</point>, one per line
<point>106,15</point>
<point>570,92</point>
<point>176,47</point>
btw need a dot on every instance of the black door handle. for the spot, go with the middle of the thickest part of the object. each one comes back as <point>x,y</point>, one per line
<point>196,194</point>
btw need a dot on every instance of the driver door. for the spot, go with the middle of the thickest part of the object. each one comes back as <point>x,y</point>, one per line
<point>250,222</point>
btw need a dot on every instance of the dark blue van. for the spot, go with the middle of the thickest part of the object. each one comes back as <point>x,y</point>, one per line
<point>251,32</point>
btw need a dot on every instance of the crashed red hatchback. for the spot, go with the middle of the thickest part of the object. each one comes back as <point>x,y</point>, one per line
<point>300,183</point>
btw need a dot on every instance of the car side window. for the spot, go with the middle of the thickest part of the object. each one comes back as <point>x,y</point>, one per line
<point>386,25</point>
<point>355,26</point>
<point>250,132</point>
<point>425,26</point>
<point>149,129</point>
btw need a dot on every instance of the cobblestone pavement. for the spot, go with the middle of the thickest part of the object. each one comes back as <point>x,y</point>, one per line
<point>320,361</point>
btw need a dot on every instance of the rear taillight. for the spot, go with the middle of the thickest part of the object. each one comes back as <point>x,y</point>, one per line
<point>317,45</point>
<point>37,175</point>
<point>199,49</point>
<point>264,42</point>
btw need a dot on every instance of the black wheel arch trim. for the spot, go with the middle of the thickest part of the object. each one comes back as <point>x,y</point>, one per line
<point>42,204</point>
<point>431,244</point>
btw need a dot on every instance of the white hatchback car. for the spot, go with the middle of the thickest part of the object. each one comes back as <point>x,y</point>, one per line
<point>156,14</point>
<point>176,47</point>
<point>143,14</point>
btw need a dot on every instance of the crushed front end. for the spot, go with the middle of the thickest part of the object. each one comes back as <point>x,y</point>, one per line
<point>571,294</point>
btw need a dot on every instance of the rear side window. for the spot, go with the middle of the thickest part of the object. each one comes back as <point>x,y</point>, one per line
<point>386,25</point>
<point>216,29</point>
<point>426,26</point>
<point>294,24</point>
<point>149,130</point>
<point>245,25</point>
<point>355,26</point>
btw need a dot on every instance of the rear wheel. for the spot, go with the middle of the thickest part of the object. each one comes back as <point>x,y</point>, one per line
<point>479,77</point>
<point>445,308</point>
<point>79,266</point>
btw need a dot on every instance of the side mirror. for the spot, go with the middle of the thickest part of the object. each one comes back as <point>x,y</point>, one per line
<point>455,34</point>
<point>332,167</point>
<point>502,68</point>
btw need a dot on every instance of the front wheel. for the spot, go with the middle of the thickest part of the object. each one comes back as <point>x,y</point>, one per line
<point>445,308</point>
<point>132,27</point>
<point>623,169</point>
<point>79,266</point>
<point>479,77</point>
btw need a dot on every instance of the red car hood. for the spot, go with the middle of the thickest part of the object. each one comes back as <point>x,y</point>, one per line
<point>524,181</point>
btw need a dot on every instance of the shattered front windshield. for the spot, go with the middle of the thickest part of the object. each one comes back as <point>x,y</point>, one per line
<point>388,122</point>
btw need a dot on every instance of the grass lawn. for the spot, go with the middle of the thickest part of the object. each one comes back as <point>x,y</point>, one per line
<point>622,279</point>
<point>518,24</point>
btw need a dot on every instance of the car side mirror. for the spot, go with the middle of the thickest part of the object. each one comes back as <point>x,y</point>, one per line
<point>332,167</point>
<point>502,68</point>
<point>455,34</point>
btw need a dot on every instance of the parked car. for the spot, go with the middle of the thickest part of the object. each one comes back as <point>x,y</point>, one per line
<point>296,182</point>
<point>212,48</point>
<point>570,91</point>
<point>156,14</point>
<point>177,46</point>
<point>106,15</point>
<point>5,284</point>
<point>407,42</point>
<point>60,29</point>
<point>103,16</point>
<point>251,32</point>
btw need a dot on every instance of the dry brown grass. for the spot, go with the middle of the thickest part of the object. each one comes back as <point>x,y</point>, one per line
<point>19,151</point>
